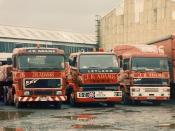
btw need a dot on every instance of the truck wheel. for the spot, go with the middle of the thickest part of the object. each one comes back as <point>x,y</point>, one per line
<point>68,99</point>
<point>5,99</point>
<point>110,104</point>
<point>125,98</point>
<point>57,105</point>
<point>72,99</point>
<point>17,103</point>
<point>136,102</point>
<point>5,96</point>
<point>10,97</point>
<point>156,103</point>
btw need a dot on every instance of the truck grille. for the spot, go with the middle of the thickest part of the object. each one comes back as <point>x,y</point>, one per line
<point>151,90</point>
<point>44,92</point>
<point>150,81</point>
<point>42,83</point>
<point>100,87</point>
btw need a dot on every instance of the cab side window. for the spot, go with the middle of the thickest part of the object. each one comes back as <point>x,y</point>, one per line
<point>120,61</point>
<point>14,62</point>
<point>126,65</point>
<point>73,61</point>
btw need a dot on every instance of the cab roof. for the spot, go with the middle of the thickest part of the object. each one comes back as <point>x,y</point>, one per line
<point>139,51</point>
<point>42,50</point>
<point>92,53</point>
<point>127,55</point>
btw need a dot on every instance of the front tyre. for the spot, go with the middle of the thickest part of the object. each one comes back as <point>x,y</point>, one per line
<point>136,102</point>
<point>157,103</point>
<point>110,104</point>
<point>17,103</point>
<point>57,105</point>
<point>72,100</point>
<point>125,98</point>
<point>5,91</point>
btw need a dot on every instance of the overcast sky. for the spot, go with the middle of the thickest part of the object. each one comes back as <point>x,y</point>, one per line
<point>65,15</point>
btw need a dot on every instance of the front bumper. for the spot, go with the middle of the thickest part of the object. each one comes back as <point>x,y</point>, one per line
<point>149,93</point>
<point>99,96</point>
<point>42,98</point>
<point>144,98</point>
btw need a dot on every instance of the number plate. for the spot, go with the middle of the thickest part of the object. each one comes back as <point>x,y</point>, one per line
<point>43,99</point>
<point>100,94</point>
<point>151,97</point>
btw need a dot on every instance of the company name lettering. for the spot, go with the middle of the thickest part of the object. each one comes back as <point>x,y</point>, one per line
<point>99,71</point>
<point>42,74</point>
<point>150,75</point>
<point>100,76</point>
<point>40,51</point>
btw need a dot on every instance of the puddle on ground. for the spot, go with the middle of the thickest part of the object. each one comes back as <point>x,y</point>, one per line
<point>13,115</point>
<point>171,126</point>
<point>80,117</point>
<point>94,127</point>
<point>80,126</point>
<point>130,111</point>
<point>96,109</point>
<point>105,109</point>
<point>11,129</point>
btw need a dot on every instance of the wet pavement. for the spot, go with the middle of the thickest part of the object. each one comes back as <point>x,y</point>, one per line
<point>145,117</point>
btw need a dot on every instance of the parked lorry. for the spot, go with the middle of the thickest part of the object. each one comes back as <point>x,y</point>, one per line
<point>168,44</point>
<point>93,78</point>
<point>145,75</point>
<point>5,80</point>
<point>37,75</point>
<point>3,61</point>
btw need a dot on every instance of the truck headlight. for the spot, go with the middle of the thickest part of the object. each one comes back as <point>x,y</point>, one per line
<point>166,90</point>
<point>135,89</point>
<point>26,93</point>
<point>165,83</point>
<point>58,92</point>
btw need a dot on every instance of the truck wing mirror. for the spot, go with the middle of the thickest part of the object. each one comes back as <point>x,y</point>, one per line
<point>9,61</point>
<point>125,67</point>
<point>70,62</point>
<point>118,70</point>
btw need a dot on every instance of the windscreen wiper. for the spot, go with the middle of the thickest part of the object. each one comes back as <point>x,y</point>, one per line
<point>93,67</point>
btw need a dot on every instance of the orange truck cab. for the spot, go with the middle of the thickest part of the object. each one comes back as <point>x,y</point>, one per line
<point>145,75</point>
<point>93,78</point>
<point>38,75</point>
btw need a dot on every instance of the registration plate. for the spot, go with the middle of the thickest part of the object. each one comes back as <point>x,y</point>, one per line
<point>43,99</point>
<point>100,94</point>
<point>151,97</point>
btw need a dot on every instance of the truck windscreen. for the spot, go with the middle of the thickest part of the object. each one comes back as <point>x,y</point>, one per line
<point>98,61</point>
<point>150,64</point>
<point>41,62</point>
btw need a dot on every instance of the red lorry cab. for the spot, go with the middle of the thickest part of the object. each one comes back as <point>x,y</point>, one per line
<point>145,74</point>
<point>168,45</point>
<point>38,75</point>
<point>93,77</point>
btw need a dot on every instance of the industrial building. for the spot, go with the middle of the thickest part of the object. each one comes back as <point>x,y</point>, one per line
<point>137,21</point>
<point>11,36</point>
